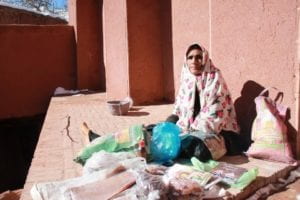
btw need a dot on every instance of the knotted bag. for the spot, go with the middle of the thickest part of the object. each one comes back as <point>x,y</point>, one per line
<point>269,131</point>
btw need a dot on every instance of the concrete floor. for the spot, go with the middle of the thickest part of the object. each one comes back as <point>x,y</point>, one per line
<point>60,140</point>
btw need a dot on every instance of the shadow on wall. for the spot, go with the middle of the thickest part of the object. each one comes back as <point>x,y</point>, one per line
<point>292,133</point>
<point>167,45</point>
<point>246,110</point>
<point>246,113</point>
<point>101,45</point>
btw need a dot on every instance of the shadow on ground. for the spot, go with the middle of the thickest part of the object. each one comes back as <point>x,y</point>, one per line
<point>18,140</point>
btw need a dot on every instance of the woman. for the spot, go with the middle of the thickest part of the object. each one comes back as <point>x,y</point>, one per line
<point>203,110</point>
<point>204,107</point>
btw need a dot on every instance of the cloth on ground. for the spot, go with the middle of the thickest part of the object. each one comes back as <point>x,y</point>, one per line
<point>275,187</point>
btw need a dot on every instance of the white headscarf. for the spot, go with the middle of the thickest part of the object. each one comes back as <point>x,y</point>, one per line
<point>216,108</point>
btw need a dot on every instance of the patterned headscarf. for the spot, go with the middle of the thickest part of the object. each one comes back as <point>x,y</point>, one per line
<point>216,108</point>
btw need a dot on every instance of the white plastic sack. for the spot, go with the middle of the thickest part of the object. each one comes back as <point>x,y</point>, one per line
<point>96,169</point>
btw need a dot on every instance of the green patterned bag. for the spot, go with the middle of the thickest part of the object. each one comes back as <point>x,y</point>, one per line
<point>124,140</point>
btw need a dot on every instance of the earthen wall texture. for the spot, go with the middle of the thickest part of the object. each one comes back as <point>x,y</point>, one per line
<point>10,15</point>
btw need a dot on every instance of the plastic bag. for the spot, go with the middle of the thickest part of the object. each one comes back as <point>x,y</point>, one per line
<point>185,182</point>
<point>150,185</point>
<point>104,189</point>
<point>179,171</point>
<point>124,140</point>
<point>62,189</point>
<point>165,142</point>
<point>246,179</point>
<point>234,176</point>
<point>102,160</point>
<point>204,166</point>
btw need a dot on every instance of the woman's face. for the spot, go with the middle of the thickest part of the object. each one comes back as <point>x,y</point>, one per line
<point>194,60</point>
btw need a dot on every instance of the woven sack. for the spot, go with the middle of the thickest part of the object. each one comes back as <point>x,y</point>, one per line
<point>269,131</point>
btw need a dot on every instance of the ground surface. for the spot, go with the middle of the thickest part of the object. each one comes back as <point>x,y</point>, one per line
<point>60,140</point>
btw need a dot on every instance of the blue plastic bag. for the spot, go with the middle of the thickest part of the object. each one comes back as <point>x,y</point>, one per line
<point>165,142</point>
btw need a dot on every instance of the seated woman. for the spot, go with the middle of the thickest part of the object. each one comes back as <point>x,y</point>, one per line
<point>204,108</point>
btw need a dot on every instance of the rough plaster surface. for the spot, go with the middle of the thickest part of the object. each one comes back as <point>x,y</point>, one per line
<point>167,50</point>
<point>255,41</point>
<point>190,24</point>
<point>32,67</point>
<point>145,52</point>
<point>115,48</point>
<point>18,16</point>
<point>90,66</point>
<point>72,14</point>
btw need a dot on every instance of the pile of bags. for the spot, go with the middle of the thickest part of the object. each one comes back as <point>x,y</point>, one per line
<point>122,175</point>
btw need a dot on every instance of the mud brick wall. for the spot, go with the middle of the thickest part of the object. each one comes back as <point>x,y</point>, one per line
<point>10,15</point>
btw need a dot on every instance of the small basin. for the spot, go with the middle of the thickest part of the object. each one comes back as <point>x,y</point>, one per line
<point>118,107</point>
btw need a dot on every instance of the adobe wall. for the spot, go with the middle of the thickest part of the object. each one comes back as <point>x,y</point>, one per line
<point>255,45</point>
<point>138,50</point>
<point>145,52</point>
<point>9,15</point>
<point>167,50</point>
<point>90,64</point>
<point>115,48</point>
<point>190,24</point>
<point>34,61</point>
